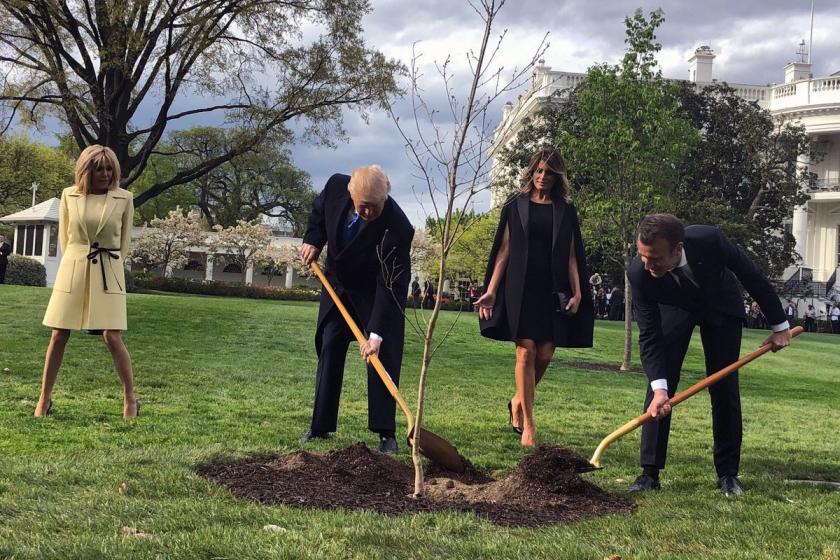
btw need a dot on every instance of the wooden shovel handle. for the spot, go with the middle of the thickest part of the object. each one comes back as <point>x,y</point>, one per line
<point>361,338</point>
<point>681,396</point>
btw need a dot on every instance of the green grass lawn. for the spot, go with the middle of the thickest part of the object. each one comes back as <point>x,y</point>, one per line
<point>224,378</point>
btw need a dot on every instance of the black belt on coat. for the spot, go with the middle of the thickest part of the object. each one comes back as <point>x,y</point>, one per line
<point>101,253</point>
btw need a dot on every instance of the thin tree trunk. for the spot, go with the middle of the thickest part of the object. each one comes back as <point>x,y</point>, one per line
<point>419,488</point>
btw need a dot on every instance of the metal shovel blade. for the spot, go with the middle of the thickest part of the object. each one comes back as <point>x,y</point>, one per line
<point>439,450</point>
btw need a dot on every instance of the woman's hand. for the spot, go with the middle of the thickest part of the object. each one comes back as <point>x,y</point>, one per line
<point>574,304</point>
<point>485,305</point>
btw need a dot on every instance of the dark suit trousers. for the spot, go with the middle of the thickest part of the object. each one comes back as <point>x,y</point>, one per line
<point>381,405</point>
<point>2,273</point>
<point>721,337</point>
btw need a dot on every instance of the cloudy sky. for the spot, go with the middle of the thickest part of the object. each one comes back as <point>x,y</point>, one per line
<point>753,40</point>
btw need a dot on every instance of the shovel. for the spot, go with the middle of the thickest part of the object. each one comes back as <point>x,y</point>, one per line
<point>432,446</point>
<point>680,397</point>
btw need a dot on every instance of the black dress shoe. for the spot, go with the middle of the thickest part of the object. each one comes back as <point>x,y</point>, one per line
<point>644,483</point>
<point>516,429</point>
<point>311,434</point>
<point>387,445</point>
<point>730,485</point>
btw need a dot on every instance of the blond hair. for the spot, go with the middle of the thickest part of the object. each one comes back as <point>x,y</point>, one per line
<point>555,164</point>
<point>90,159</point>
<point>370,180</point>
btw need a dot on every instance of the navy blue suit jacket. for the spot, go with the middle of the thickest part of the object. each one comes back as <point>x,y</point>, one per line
<point>372,272</point>
<point>717,265</point>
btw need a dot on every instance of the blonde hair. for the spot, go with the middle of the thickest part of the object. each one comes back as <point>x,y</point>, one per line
<point>554,162</point>
<point>370,180</point>
<point>92,157</point>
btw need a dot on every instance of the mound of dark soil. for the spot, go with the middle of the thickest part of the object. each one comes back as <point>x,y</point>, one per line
<point>545,488</point>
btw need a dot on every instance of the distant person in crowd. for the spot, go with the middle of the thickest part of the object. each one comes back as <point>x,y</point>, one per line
<point>601,303</point>
<point>94,230</point>
<point>791,312</point>
<point>472,293</point>
<point>415,292</point>
<point>748,319</point>
<point>368,264</point>
<point>810,319</point>
<point>835,318</point>
<point>429,294</point>
<point>5,251</point>
<point>594,285</point>
<point>758,316</point>
<point>616,311</point>
<point>536,288</point>
<point>682,278</point>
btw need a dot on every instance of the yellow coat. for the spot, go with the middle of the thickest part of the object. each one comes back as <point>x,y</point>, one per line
<point>80,299</point>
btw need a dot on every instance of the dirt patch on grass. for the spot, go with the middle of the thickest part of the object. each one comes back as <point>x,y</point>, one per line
<point>592,366</point>
<point>545,488</point>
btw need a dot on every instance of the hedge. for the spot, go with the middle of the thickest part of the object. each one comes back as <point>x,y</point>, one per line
<point>24,271</point>
<point>215,288</point>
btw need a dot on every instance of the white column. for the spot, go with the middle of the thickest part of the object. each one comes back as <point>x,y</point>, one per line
<point>249,275</point>
<point>45,244</point>
<point>290,275</point>
<point>800,218</point>
<point>208,269</point>
<point>167,272</point>
<point>800,232</point>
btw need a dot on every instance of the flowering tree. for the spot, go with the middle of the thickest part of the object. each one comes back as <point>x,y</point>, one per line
<point>273,259</point>
<point>422,253</point>
<point>165,242</point>
<point>243,243</point>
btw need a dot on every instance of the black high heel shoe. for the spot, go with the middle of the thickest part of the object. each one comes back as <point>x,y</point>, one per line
<point>516,429</point>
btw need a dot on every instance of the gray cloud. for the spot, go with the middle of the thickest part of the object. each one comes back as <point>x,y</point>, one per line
<point>754,39</point>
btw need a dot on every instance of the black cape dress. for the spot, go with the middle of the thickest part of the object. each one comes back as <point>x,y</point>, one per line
<point>507,320</point>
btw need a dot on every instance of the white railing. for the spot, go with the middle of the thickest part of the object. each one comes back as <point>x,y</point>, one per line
<point>825,185</point>
<point>826,84</point>
<point>805,93</point>
<point>784,90</point>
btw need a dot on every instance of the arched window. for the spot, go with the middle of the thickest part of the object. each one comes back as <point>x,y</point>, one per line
<point>233,267</point>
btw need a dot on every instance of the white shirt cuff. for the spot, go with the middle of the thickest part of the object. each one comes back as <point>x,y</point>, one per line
<point>374,336</point>
<point>659,384</point>
<point>780,327</point>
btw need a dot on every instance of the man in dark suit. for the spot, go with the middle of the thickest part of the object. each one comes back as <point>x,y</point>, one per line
<point>369,239</point>
<point>681,278</point>
<point>5,250</point>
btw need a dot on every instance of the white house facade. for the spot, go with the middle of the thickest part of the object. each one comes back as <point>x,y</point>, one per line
<point>813,102</point>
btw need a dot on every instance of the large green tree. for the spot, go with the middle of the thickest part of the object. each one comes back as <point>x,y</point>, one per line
<point>23,162</point>
<point>470,248</point>
<point>259,181</point>
<point>624,142</point>
<point>742,174</point>
<point>121,72</point>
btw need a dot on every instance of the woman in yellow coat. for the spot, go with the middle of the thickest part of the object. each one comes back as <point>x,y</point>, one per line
<point>94,225</point>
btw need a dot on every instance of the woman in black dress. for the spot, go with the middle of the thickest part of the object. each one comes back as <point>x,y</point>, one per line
<point>534,278</point>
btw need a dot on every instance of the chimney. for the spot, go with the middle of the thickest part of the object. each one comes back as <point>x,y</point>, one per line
<point>799,70</point>
<point>700,65</point>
